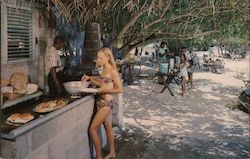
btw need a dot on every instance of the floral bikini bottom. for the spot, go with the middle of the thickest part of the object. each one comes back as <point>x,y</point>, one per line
<point>103,103</point>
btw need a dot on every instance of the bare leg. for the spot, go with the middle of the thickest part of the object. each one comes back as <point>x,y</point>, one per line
<point>99,118</point>
<point>191,80</point>
<point>110,137</point>
<point>183,85</point>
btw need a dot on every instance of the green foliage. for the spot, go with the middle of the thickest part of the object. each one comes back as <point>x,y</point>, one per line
<point>198,22</point>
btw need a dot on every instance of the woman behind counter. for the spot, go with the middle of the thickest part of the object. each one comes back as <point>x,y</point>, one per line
<point>109,83</point>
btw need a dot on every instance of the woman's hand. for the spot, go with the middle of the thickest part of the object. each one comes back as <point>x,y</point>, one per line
<point>85,78</point>
<point>100,90</point>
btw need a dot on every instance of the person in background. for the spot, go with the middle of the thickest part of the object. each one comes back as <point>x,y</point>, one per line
<point>196,62</point>
<point>160,52</point>
<point>190,70</point>
<point>137,57</point>
<point>188,54</point>
<point>109,83</point>
<point>153,56</point>
<point>54,67</point>
<point>136,51</point>
<point>177,59</point>
<point>205,58</point>
<point>183,72</point>
<point>218,64</point>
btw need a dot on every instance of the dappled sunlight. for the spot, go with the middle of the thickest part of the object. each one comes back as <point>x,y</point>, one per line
<point>205,89</point>
<point>210,96</point>
<point>199,120</point>
<point>135,87</point>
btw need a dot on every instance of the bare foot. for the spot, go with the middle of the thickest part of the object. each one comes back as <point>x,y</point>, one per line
<point>110,156</point>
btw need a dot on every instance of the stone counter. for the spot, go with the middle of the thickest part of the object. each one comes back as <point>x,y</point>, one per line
<point>62,134</point>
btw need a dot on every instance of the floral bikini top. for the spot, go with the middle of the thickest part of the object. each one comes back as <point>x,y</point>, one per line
<point>104,79</point>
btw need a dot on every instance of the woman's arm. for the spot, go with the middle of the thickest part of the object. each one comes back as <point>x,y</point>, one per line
<point>95,81</point>
<point>117,84</point>
<point>91,79</point>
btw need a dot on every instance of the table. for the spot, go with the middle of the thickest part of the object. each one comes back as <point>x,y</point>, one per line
<point>127,70</point>
<point>170,77</point>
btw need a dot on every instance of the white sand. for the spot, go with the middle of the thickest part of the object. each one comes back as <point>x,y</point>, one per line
<point>199,115</point>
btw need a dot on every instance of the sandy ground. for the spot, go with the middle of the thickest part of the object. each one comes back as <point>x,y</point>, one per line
<point>199,125</point>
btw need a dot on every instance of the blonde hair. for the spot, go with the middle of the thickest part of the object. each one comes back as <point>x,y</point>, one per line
<point>108,53</point>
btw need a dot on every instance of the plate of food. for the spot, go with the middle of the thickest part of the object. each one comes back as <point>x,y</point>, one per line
<point>49,106</point>
<point>89,90</point>
<point>19,118</point>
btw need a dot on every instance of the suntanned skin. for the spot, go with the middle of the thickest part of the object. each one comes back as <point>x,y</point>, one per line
<point>101,117</point>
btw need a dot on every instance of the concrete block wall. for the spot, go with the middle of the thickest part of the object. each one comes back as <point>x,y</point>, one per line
<point>64,137</point>
<point>34,67</point>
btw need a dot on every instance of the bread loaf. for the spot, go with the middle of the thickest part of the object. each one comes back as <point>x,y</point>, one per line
<point>19,82</point>
<point>20,118</point>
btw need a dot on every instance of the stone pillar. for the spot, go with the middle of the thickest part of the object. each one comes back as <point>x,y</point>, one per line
<point>92,43</point>
<point>117,112</point>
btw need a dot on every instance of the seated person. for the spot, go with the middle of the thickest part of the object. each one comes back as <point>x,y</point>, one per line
<point>218,64</point>
<point>160,52</point>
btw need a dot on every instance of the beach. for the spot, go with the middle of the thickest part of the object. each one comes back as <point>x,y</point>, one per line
<point>198,125</point>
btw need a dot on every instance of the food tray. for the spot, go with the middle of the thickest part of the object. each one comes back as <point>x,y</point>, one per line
<point>35,109</point>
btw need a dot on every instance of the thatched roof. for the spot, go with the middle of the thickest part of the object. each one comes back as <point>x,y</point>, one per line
<point>138,21</point>
<point>94,9</point>
<point>80,10</point>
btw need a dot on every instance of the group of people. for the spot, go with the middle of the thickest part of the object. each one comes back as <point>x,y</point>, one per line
<point>186,67</point>
<point>213,65</point>
<point>184,61</point>
<point>108,83</point>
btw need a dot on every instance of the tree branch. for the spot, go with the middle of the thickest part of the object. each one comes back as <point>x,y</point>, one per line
<point>146,39</point>
<point>129,24</point>
<point>161,17</point>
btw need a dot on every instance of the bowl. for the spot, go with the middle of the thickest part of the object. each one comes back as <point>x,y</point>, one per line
<point>74,87</point>
<point>31,88</point>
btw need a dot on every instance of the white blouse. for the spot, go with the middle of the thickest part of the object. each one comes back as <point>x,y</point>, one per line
<point>52,59</point>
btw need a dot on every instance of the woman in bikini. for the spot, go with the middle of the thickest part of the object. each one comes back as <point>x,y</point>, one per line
<point>109,83</point>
